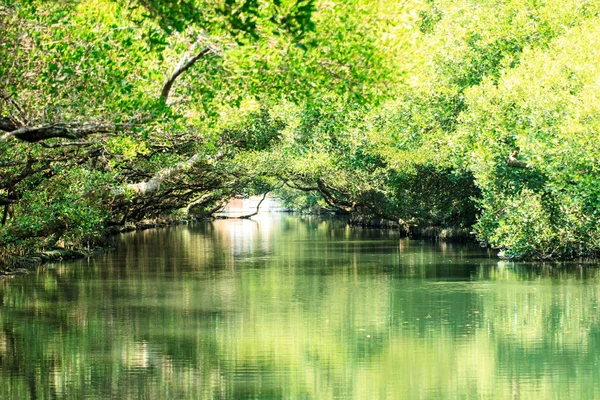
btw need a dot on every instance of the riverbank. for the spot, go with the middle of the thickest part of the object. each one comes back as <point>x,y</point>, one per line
<point>451,234</point>
<point>20,265</point>
<point>23,264</point>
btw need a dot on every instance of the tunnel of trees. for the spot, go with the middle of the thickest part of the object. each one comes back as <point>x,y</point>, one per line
<point>478,115</point>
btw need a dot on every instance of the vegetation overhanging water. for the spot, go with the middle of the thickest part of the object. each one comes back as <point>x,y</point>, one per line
<point>476,115</point>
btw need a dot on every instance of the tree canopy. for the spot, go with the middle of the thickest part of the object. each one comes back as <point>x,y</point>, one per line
<point>478,115</point>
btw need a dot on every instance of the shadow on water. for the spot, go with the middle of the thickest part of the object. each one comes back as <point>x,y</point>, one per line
<point>290,307</point>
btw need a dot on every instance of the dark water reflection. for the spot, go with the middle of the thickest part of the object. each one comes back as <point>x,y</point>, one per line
<point>289,307</point>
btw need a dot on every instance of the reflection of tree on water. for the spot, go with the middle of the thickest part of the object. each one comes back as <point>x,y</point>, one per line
<point>305,308</point>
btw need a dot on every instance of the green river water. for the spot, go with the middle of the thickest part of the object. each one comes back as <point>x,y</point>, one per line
<point>286,307</point>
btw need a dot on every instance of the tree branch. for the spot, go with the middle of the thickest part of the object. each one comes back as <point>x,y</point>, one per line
<point>7,200</point>
<point>513,162</point>
<point>55,145</point>
<point>7,124</point>
<point>183,66</point>
<point>326,66</point>
<point>154,183</point>
<point>257,208</point>
<point>16,105</point>
<point>303,188</point>
<point>33,134</point>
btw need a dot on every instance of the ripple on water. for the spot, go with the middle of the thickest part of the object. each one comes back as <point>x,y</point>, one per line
<point>299,309</point>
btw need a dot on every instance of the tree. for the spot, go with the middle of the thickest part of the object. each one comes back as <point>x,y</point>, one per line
<point>90,122</point>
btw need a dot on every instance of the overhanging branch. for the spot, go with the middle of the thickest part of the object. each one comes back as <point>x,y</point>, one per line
<point>33,134</point>
<point>183,66</point>
<point>257,208</point>
<point>154,183</point>
<point>7,124</point>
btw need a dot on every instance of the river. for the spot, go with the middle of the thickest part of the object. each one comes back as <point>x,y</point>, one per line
<point>288,307</point>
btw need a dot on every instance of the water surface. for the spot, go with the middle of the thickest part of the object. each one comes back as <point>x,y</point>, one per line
<point>298,308</point>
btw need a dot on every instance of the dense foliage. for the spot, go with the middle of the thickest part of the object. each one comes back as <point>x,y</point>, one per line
<point>481,115</point>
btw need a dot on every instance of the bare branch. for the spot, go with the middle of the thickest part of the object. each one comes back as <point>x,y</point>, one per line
<point>257,208</point>
<point>7,200</point>
<point>12,164</point>
<point>9,99</point>
<point>7,124</point>
<point>513,162</point>
<point>38,133</point>
<point>154,183</point>
<point>63,144</point>
<point>183,66</point>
